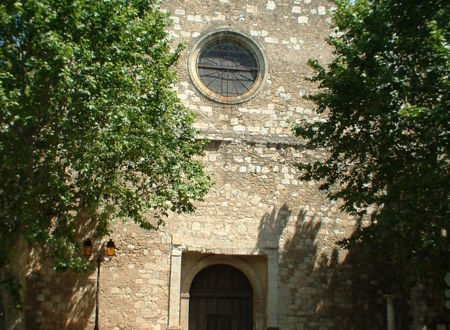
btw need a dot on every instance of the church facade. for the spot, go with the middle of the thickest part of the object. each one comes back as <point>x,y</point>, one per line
<point>244,73</point>
<point>260,251</point>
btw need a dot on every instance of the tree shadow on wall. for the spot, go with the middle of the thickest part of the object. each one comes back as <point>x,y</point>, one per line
<point>65,300</point>
<point>271,228</point>
<point>320,285</point>
<point>58,300</point>
<point>50,299</point>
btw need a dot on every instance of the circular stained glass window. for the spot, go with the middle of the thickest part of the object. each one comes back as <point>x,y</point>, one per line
<point>227,67</point>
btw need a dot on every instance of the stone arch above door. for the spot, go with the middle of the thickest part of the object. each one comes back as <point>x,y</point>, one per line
<point>238,262</point>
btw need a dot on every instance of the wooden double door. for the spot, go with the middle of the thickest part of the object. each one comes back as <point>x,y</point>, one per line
<point>220,298</point>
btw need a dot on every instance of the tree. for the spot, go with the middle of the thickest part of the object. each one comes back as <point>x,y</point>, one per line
<point>384,100</point>
<point>89,124</point>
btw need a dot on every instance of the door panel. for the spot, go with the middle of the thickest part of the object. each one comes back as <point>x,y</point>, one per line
<point>218,322</point>
<point>221,298</point>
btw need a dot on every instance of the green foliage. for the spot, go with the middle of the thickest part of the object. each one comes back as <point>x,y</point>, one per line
<point>385,103</point>
<point>89,123</point>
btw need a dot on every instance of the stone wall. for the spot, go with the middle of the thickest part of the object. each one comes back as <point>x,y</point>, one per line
<point>133,287</point>
<point>258,204</point>
<point>258,212</point>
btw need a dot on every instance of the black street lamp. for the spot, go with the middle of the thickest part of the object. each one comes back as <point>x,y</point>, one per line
<point>110,251</point>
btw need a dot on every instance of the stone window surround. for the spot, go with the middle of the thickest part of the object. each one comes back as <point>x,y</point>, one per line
<point>265,304</point>
<point>241,38</point>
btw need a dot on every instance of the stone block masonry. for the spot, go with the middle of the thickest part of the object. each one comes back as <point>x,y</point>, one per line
<point>280,232</point>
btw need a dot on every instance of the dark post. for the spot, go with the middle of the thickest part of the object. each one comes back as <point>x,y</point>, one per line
<point>110,251</point>
<point>96,293</point>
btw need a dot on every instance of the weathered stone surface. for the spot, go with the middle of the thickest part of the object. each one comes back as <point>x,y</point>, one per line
<point>257,215</point>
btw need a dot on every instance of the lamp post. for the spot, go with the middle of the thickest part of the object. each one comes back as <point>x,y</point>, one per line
<point>390,311</point>
<point>110,251</point>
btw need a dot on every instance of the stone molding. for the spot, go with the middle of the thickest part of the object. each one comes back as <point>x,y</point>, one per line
<point>259,302</point>
<point>249,43</point>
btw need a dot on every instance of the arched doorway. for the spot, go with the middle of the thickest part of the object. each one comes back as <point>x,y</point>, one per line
<point>221,298</point>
